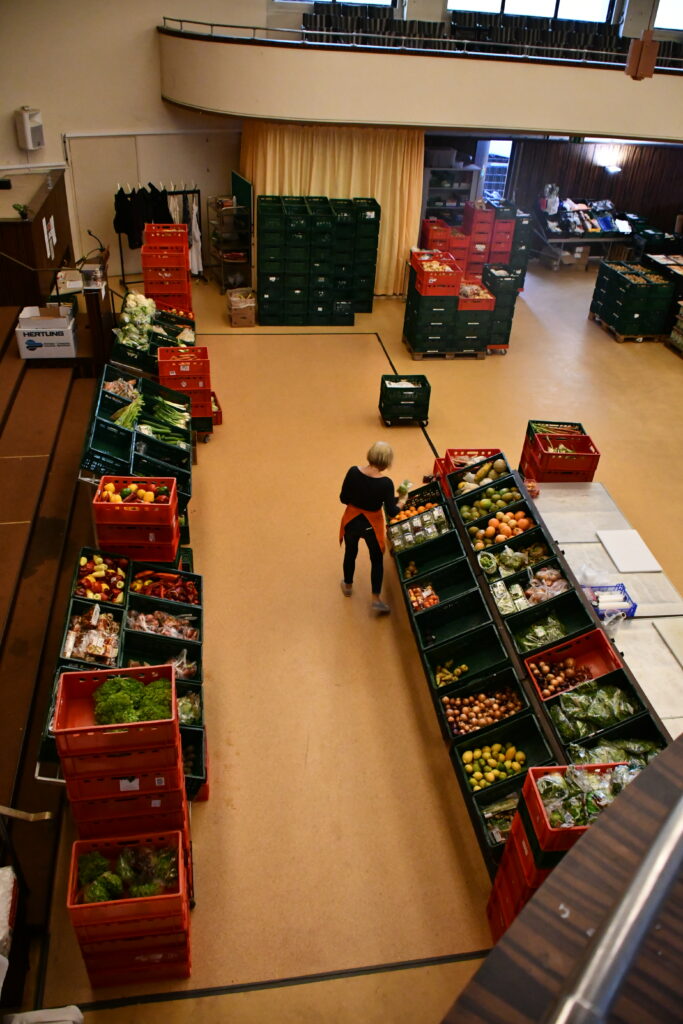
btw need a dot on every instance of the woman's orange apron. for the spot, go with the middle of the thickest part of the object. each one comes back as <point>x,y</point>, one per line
<point>376,520</point>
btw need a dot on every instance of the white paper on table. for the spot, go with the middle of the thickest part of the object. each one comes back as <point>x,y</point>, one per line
<point>628,551</point>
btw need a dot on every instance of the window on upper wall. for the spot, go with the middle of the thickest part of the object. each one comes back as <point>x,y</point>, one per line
<point>670,15</point>
<point>477,6</point>
<point>584,10</point>
<point>534,8</point>
<point>373,3</point>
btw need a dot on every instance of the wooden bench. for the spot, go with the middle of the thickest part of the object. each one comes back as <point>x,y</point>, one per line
<point>44,521</point>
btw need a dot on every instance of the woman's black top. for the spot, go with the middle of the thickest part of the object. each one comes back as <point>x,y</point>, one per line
<point>368,492</point>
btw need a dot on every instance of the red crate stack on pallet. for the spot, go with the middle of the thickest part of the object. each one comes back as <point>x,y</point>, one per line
<point>561,453</point>
<point>166,266</point>
<point>137,517</point>
<point>188,370</point>
<point>130,880</point>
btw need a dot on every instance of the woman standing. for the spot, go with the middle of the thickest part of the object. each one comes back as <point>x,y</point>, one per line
<point>365,492</point>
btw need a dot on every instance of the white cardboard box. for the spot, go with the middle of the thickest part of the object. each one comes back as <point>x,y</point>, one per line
<point>46,333</point>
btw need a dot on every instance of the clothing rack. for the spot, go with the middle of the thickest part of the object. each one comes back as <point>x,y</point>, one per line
<point>169,192</point>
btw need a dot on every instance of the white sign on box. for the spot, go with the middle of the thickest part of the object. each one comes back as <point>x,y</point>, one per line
<point>46,333</point>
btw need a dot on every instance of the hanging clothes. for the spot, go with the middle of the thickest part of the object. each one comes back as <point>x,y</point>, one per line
<point>158,203</point>
<point>175,206</point>
<point>196,265</point>
<point>127,217</point>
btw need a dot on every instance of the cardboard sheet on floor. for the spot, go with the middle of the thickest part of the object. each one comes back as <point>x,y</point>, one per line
<point>628,551</point>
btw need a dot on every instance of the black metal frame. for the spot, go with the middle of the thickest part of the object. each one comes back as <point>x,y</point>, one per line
<point>170,192</point>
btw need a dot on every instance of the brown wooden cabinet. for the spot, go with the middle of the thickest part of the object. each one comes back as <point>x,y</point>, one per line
<point>25,239</point>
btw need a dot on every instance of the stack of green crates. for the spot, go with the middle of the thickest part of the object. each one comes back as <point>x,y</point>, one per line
<point>632,299</point>
<point>404,399</point>
<point>521,244</point>
<point>504,282</point>
<point>316,259</point>
<point>429,324</point>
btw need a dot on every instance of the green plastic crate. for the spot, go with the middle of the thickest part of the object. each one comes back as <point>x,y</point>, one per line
<point>142,464</point>
<point>368,211</point>
<point>481,650</point>
<point>270,212</point>
<point>196,739</point>
<point>151,649</point>
<point>184,688</point>
<point>79,606</point>
<point>451,619</point>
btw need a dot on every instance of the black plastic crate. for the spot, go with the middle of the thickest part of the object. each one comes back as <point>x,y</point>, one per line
<point>448,582</point>
<point>430,557</point>
<point>451,619</point>
<point>496,683</point>
<point>619,678</point>
<point>151,649</point>
<point>481,650</point>
<point>522,732</point>
<point>193,743</point>
<point>143,464</point>
<point>569,608</point>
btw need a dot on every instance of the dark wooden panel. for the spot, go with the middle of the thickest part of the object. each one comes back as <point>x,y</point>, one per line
<point>22,485</point>
<point>524,974</point>
<point>12,369</point>
<point>57,540</point>
<point>8,321</point>
<point>37,411</point>
<point>13,541</point>
<point>650,182</point>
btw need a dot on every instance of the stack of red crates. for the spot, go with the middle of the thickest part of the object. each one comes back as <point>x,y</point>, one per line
<point>481,239</point>
<point>436,234</point>
<point>478,225</point>
<point>125,784</point>
<point>430,280</point>
<point>188,370</point>
<point>533,848</point>
<point>144,531</point>
<point>166,265</point>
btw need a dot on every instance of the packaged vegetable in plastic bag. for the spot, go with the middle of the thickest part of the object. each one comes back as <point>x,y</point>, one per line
<point>552,786</point>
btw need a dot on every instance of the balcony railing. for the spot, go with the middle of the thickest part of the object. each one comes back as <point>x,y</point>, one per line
<point>436,46</point>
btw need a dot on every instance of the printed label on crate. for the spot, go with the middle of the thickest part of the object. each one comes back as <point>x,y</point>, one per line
<point>129,785</point>
<point>160,780</point>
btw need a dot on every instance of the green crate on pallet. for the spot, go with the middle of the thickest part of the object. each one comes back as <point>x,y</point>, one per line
<point>270,238</point>
<point>365,248</point>
<point>296,307</point>
<point>363,303</point>
<point>321,309</point>
<point>271,264</point>
<point>324,266</point>
<point>500,279</point>
<point>272,293</point>
<point>136,359</point>
<point>473,322</point>
<point>342,312</point>
<point>365,268</point>
<point>108,445</point>
<point>427,336</point>
<point>270,307</point>
<point>186,559</point>
<point>441,312</point>
<point>504,209</point>
<point>322,243</point>
<point>190,713</point>
<point>344,211</point>
<point>472,343</point>
<point>202,425</point>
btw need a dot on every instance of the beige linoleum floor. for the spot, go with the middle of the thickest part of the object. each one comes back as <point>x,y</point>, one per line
<point>335,837</point>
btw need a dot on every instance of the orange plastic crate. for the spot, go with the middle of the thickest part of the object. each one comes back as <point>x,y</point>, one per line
<point>140,973</point>
<point>141,784</point>
<point>126,806</point>
<point>138,825</point>
<point>124,763</point>
<point>519,841</point>
<point>434,230</point>
<point>474,219</point>
<point>179,308</point>
<point>165,232</point>
<point>127,944</point>
<point>76,731</point>
<point>174,902</point>
<point>142,927</point>
<point>136,513</point>
<point>174,362</point>
<point>165,260</point>
<point>217,412</point>
<point>459,245</point>
<point>189,383</point>
<point>488,302</point>
<point>583,458</point>
<point>142,551</point>
<point>150,533</point>
<point>550,838</point>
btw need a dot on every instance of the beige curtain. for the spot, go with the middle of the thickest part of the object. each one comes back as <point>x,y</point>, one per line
<point>342,162</point>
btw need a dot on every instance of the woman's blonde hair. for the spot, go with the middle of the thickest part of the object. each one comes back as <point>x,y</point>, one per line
<point>381,455</point>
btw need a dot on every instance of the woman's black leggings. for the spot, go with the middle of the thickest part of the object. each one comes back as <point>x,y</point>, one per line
<point>357,528</point>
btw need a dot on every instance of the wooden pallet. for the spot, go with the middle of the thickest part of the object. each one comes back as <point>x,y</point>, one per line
<point>441,355</point>
<point>625,337</point>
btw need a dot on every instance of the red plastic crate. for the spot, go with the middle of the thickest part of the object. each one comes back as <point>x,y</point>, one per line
<point>153,259</point>
<point>190,382</point>
<point>138,825</point>
<point>550,838</point>
<point>149,533</point>
<point>518,843</point>
<point>202,794</point>
<point>140,784</point>
<point>201,407</point>
<point>216,411</point>
<point>590,650</point>
<point>176,284</point>
<point>500,909</point>
<point>459,245</point>
<point>174,362</point>
<point>440,470</point>
<point>176,247</point>
<point>144,551</point>
<point>501,231</point>
<point>174,902</point>
<point>488,302</point>
<point>143,927</point>
<point>436,282</point>
<point>511,869</point>
<point>174,302</point>
<point>123,764</point>
<point>475,219</point>
<point>76,731</point>
<point>459,458</point>
<point>165,233</point>
<point>138,513</point>
<point>529,467</point>
<point>126,806</point>
<point>126,944</point>
<point>175,307</point>
<point>499,255</point>
<point>141,973</point>
<point>583,459</point>
<point>434,230</point>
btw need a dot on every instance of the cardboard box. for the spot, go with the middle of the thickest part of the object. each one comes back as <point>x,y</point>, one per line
<point>242,307</point>
<point>47,332</point>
